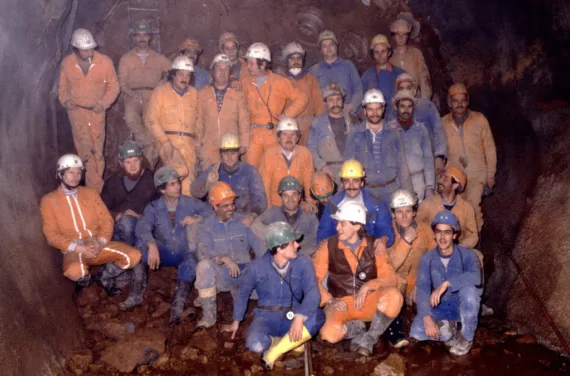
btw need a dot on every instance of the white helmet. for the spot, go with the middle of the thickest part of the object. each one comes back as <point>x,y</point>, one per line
<point>402,198</point>
<point>351,211</point>
<point>67,161</point>
<point>258,51</point>
<point>220,59</point>
<point>293,48</point>
<point>373,96</point>
<point>183,63</point>
<point>287,124</point>
<point>83,39</point>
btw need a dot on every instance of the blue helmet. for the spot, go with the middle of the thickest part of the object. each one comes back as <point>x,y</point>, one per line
<point>447,218</point>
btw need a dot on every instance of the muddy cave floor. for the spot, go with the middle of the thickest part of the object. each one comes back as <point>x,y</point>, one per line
<point>496,350</point>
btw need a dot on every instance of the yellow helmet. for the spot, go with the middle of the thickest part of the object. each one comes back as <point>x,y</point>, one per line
<point>351,169</point>
<point>379,39</point>
<point>229,140</point>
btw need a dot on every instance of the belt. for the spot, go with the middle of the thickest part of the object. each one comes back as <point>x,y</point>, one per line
<point>90,108</point>
<point>381,185</point>
<point>143,88</point>
<point>273,308</point>
<point>334,163</point>
<point>269,126</point>
<point>417,173</point>
<point>185,134</point>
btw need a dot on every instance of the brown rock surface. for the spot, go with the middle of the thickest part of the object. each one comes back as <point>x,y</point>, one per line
<point>140,348</point>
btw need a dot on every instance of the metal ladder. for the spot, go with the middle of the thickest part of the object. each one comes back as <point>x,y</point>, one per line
<point>135,6</point>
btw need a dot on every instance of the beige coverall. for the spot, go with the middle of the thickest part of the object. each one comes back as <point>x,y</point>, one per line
<point>414,63</point>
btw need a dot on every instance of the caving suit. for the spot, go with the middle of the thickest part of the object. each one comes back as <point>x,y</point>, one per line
<point>382,79</point>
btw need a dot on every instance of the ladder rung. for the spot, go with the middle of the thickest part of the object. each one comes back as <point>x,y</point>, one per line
<point>146,9</point>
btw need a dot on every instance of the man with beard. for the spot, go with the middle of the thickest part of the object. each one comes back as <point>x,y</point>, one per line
<point>328,133</point>
<point>76,221</point>
<point>294,56</point>
<point>448,290</point>
<point>291,192</point>
<point>191,49</point>
<point>470,144</point>
<point>417,145</point>
<point>229,46</point>
<point>224,244</point>
<point>140,71</point>
<point>379,149</point>
<point>127,192</point>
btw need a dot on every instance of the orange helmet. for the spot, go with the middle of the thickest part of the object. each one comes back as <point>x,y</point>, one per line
<point>190,43</point>
<point>321,185</point>
<point>221,191</point>
<point>459,175</point>
<point>457,89</point>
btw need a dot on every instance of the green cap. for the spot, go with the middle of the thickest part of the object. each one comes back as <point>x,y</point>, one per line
<point>142,26</point>
<point>164,175</point>
<point>129,149</point>
<point>280,233</point>
<point>289,183</point>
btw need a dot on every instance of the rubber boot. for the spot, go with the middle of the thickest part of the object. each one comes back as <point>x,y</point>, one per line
<point>354,328</point>
<point>209,311</point>
<point>395,332</point>
<point>181,292</point>
<point>284,345</point>
<point>138,288</point>
<point>364,343</point>
<point>83,283</point>
<point>106,279</point>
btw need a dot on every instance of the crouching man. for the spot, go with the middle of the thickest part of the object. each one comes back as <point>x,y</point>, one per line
<point>360,287</point>
<point>223,251</point>
<point>286,316</point>
<point>448,289</point>
<point>76,221</point>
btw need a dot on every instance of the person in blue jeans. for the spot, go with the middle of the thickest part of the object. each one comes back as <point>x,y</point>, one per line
<point>448,289</point>
<point>288,313</point>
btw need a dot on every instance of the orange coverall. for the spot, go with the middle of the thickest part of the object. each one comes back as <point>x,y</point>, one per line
<point>67,219</point>
<point>480,153</point>
<point>414,63</point>
<point>211,124</point>
<point>384,295</point>
<point>275,92</point>
<point>170,112</point>
<point>99,86</point>
<point>138,77</point>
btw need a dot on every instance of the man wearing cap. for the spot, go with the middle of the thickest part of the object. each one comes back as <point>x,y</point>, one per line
<point>88,86</point>
<point>291,192</point>
<point>229,46</point>
<point>140,71</point>
<point>224,243</point>
<point>285,317</point>
<point>470,144</point>
<point>356,285</point>
<point>167,236</point>
<point>322,188</point>
<point>448,290</point>
<point>221,109</point>
<point>417,144</point>
<point>269,97</point>
<point>335,69</point>
<point>409,58</point>
<point>127,192</point>
<point>294,56</point>
<point>171,119</point>
<point>383,75</point>
<point>191,48</point>
<point>328,133</point>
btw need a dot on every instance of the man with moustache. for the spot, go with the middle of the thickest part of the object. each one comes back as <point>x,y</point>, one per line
<point>191,49</point>
<point>224,243</point>
<point>448,290</point>
<point>127,192</point>
<point>140,71</point>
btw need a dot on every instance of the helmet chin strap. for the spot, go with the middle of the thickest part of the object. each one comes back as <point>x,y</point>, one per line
<point>69,187</point>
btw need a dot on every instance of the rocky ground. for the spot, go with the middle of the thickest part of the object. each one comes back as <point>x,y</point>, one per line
<point>141,342</point>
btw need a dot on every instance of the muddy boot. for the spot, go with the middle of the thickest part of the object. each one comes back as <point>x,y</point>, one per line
<point>181,292</point>
<point>395,333</point>
<point>138,288</point>
<point>83,283</point>
<point>209,312</point>
<point>448,329</point>
<point>461,345</point>
<point>106,279</point>
<point>354,328</point>
<point>364,343</point>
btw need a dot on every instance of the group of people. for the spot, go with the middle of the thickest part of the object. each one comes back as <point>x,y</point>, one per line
<point>333,200</point>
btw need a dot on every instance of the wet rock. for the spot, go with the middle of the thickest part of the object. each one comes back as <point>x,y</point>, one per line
<point>256,368</point>
<point>293,364</point>
<point>247,373</point>
<point>393,365</point>
<point>527,339</point>
<point>203,341</point>
<point>116,329</point>
<point>140,348</point>
<point>79,361</point>
<point>189,353</point>
<point>160,310</point>
<point>162,361</point>
<point>204,359</point>
<point>88,296</point>
<point>328,370</point>
<point>229,345</point>
<point>142,369</point>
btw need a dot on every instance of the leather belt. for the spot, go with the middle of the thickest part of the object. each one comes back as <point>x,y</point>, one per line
<point>273,308</point>
<point>269,126</point>
<point>143,88</point>
<point>334,163</point>
<point>185,134</point>
<point>381,185</point>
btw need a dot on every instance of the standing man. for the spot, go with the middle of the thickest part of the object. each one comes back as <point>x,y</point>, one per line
<point>268,96</point>
<point>286,159</point>
<point>221,109</point>
<point>88,86</point>
<point>383,75</point>
<point>448,290</point>
<point>471,145</point>
<point>171,119</point>
<point>127,192</point>
<point>294,56</point>
<point>335,69</point>
<point>229,46</point>
<point>417,145</point>
<point>379,149</point>
<point>328,133</point>
<point>141,70</point>
<point>191,48</point>
<point>409,58</point>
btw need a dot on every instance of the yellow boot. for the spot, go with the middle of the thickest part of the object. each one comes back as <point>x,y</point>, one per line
<point>284,345</point>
